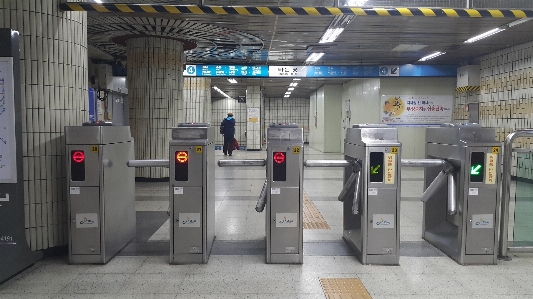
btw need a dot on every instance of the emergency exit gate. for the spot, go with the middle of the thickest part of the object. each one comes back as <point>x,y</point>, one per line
<point>192,193</point>
<point>282,193</point>
<point>101,192</point>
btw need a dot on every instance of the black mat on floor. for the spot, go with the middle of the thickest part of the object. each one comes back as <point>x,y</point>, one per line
<point>334,248</point>
<point>419,249</point>
<point>147,224</point>
<point>238,248</point>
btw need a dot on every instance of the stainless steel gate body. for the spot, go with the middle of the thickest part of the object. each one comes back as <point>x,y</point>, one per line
<point>469,236</point>
<point>192,193</point>
<point>101,192</point>
<point>373,232</point>
<point>284,201</point>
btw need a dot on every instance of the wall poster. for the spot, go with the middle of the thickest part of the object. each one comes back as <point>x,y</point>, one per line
<point>416,110</point>
<point>253,115</point>
<point>8,159</point>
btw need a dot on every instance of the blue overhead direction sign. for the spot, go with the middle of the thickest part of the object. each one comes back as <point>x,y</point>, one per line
<point>321,71</point>
<point>226,71</point>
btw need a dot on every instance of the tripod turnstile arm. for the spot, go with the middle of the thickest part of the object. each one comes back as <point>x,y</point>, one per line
<point>357,194</point>
<point>261,201</point>
<point>452,194</point>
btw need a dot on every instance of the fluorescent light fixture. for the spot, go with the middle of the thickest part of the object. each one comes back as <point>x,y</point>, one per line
<point>518,22</point>
<point>221,92</point>
<point>330,35</point>
<point>484,35</point>
<point>296,79</point>
<point>286,96</point>
<point>290,88</point>
<point>431,56</point>
<point>293,84</point>
<point>98,1</point>
<point>288,92</point>
<point>232,80</point>
<point>314,57</point>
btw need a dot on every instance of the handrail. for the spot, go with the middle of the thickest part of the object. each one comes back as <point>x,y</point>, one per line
<point>506,189</point>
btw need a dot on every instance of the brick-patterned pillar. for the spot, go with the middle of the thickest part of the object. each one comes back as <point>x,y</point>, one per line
<point>155,80</point>
<point>254,105</point>
<point>197,100</point>
<point>53,64</point>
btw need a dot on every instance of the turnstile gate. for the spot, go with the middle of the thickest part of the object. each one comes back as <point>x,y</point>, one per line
<point>284,194</point>
<point>192,193</point>
<point>101,192</point>
<point>467,233</point>
<point>371,193</point>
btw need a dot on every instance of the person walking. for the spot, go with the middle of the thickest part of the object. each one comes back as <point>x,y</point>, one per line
<point>227,128</point>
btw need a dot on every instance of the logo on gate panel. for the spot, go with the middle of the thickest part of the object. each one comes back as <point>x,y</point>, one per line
<point>482,221</point>
<point>86,220</point>
<point>286,219</point>
<point>189,219</point>
<point>383,220</point>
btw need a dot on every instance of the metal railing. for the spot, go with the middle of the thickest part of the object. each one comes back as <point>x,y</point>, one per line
<point>504,247</point>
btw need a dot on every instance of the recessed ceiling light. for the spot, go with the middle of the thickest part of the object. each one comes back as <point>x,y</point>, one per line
<point>431,56</point>
<point>484,35</point>
<point>314,57</point>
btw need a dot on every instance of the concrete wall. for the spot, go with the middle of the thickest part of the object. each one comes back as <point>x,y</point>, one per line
<point>325,110</point>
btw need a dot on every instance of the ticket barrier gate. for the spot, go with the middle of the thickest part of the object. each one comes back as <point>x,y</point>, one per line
<point>365,230</point>
<point>371,192</point>
<point>461,199</point>
<point>282,193</point>
<point>192,193</point>
<point>101,192</point>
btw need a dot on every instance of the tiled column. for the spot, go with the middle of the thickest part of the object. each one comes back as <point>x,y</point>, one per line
<point>197,100</point>
<point>155,80</point>
<point>53,64</point>
<point>254,105</point>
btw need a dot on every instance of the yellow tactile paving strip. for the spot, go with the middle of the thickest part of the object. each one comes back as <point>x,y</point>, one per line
<point>344,288</point>
<point>312,217</point>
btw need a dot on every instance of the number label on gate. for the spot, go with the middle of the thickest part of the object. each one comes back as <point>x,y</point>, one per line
<point>296,150</point>
<point>394,150</point>
<point>199,149</point>
<point>94,149</point>
<point>495,150</point>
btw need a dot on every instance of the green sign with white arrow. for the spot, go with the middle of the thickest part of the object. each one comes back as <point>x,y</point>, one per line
<point>475,169</point>
<point>374,169</point>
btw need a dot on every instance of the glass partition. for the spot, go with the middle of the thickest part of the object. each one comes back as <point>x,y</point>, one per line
<point>522,226</point>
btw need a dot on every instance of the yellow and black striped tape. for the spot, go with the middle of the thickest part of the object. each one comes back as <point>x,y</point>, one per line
<point>296,11</point>
<point>467,88</point>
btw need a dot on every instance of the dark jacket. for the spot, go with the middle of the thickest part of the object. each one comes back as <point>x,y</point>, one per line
<point>227,127</point>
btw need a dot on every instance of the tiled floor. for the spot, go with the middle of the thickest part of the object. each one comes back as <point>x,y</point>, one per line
<point>237,268</point>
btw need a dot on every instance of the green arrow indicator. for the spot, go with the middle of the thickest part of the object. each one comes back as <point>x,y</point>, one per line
<point>374,170</point>
<point>474,170</point>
